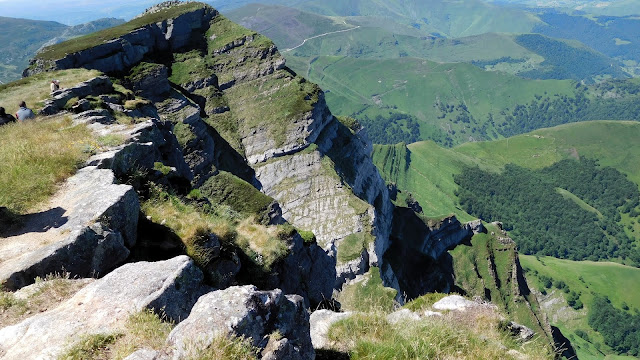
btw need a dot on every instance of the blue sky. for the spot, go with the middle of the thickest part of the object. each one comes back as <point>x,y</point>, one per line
<point>72,12</point>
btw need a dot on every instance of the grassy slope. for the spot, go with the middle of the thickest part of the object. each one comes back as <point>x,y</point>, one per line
<point>429,177</point>
<point>287,27</point>
<point>416,85</point>
<point>376,37</point>
<point>585,278</point>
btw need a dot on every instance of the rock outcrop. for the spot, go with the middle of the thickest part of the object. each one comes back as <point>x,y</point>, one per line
<point>169,287</point>
<point>86,230</point>
<point>417,261</point>
<point>249,313</point>
<point>123,52</point>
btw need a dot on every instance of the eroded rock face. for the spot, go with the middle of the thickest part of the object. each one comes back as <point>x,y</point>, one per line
<point>87,231</point>
<point>308,271</point>
<point>102,307</point>
<point>245,311</point>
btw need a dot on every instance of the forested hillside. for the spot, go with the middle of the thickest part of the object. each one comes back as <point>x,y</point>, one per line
<point>570,210</point>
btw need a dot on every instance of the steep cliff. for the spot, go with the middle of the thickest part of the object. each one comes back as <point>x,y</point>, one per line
<point>226,94</point>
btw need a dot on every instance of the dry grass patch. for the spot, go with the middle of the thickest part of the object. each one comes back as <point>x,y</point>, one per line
<point>267,244</point>
<point>471,334</point>
<point>143,330</point>
<point>224,347</point>
<point>45,294</point>
<point>36,156</point>
<point>35,89</point>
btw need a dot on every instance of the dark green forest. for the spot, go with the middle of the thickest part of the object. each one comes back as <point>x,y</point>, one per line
<point>620,329</point>
<point>563,61</point>
<point>622,103</point>
<point>598,33</point>
<point>392,129</point>
<point>542,221</point>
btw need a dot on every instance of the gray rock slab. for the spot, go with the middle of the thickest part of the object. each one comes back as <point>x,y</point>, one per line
<point>86,230</point>
<point>244,311</point>
<point>403,315</point>
<point>171,286</point>
<point>454,302</point>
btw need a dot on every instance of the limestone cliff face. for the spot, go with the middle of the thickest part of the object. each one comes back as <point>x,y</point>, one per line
<point>232,104</point>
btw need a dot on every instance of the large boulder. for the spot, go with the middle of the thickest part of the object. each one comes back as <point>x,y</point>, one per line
<point>170,287</point>
<point>87,231</point>
<point>246,312</point>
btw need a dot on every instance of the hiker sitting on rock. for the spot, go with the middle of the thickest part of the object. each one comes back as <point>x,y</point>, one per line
<point>24,112</point>
<point>55,85</point>
<point>5,118</point>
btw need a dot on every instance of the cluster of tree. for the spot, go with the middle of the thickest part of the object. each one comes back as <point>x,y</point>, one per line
<point>620,329</point>
<point>392,129</point>
<point>544,222</point>
<point>562,61</point>
<point>563,109</point>
<point>505,59</point>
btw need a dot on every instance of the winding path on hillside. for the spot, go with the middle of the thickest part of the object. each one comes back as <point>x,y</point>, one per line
<point>321,35</point>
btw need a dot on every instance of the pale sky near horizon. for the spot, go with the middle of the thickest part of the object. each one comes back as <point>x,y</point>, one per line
<point>73,12</point>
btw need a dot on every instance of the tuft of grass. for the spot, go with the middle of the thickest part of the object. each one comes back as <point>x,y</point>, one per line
<point>48,292</point>
<point>226,188</point>
<point>58,51</point>
<point>307,236</point>
<point>38,155</point>
<point>143,330</point>
<point>111,140</point>
<point>351,247</point>
<point>183,134</point>
<point>266,245</point>
<point>368,295</point>
<point>424,302</point>
<point>162,168</point>
<point>225,347</point>
<point>263,245</point>
<point>89,347</point>
<point>136,103</point>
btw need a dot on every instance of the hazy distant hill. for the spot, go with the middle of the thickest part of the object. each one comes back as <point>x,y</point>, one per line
<point>21,38</point>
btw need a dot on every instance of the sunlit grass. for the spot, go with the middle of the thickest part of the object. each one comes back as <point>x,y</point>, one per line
<point>36,156</point>
<point>35,89</point>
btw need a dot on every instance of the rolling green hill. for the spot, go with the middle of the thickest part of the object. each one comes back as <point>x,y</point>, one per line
<point>586,279</point>
<point>304,34</point>
<point>448,17</point>
<point>452,102</point>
